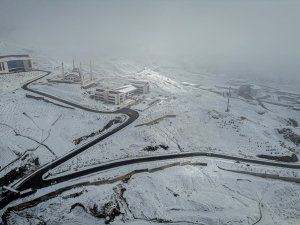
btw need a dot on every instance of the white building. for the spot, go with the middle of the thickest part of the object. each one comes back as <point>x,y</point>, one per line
<point>101,94</point>
<point>143,87</point>
<point>128,90</point>
<point>88,85</point>
<point>119,95</point>
<point>116,96</point>
<point>112,97</point>
<point>15,63</point>
<point>74,77</point>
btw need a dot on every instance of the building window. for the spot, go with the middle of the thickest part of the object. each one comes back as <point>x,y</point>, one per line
<point>16,66</point>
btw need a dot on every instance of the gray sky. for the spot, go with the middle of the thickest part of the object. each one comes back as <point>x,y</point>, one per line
<point>260,37</point>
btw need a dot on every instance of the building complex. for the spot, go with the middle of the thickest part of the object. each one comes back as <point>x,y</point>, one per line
<point>15,63</point>
<point>119,95</point>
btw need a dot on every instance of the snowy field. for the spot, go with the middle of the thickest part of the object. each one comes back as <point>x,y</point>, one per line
<point>185,111</point>
<point>177,195</point>
<point>33,128</point>
<point>11,82</point>
<point>72,93</point>
<point>199,123</point>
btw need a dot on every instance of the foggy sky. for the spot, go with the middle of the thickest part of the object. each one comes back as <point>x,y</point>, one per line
<point>259,37</point>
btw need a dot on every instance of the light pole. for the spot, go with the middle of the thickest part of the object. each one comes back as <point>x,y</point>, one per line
<point>228,94</point>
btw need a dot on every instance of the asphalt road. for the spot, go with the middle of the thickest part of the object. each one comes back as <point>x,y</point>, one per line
<point>36,181</point>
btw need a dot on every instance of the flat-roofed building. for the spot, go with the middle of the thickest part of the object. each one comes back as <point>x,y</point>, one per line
<point>112,97</point>
<point>15,63</point>
<point>74,77</point>
<point>116,97</point>
<point>126,89</point>
<point>122,94</point>
<point>101,94</point>
<point>142,87</point>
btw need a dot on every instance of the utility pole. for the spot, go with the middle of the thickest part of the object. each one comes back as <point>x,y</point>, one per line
<point>91,71</point>
<point>62,70</point>
<point>228,94</point>
<point>80,73</point>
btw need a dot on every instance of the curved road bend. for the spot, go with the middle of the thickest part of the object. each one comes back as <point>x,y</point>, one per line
<point>28,181</point>
<point>35,178</point>
<point>36,181</point>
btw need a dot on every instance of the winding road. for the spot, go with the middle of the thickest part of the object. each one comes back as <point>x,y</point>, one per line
<point>36,181</point>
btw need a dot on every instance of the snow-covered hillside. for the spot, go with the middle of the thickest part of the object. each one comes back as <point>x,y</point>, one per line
<point>198,122</point>
<point>185,111</point>
<point>40,60</point>
<point>178,195</point>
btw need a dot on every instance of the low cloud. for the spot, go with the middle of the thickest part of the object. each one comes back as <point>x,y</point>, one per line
<point>241,37</point>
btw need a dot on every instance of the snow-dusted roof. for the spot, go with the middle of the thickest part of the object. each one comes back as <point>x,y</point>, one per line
<point>138,81</point>
<point>5,58</point>
<point>72,75</point>
<point>126,89</point>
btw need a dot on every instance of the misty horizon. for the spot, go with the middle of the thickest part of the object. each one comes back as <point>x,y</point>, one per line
<point>149,112</point>
<point>240,37</point>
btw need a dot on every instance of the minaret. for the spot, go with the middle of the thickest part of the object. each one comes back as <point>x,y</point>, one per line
<point>227,110</point>
<point>62,70</point>
<point>80,73</point>
<point>73,64</point>
<point>91,71</point>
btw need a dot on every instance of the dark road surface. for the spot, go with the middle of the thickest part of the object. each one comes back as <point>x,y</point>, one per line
<point>36,181</point>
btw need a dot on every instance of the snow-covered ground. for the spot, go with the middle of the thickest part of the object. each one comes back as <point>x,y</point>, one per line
<point>40,60</point>
<point>41,129</point>
<point>72,93</point>
<point>184,112</point>
<point>177,195</point>
<point>200,124</point>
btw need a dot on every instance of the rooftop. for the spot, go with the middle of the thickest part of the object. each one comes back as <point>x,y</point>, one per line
<point>126,89</point>
<point>138,81</point>
<point>9,56</point>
